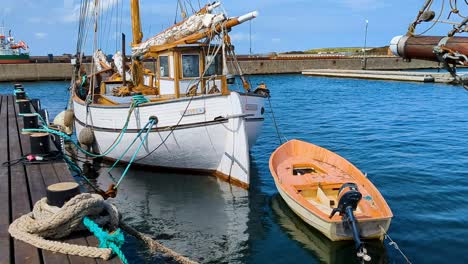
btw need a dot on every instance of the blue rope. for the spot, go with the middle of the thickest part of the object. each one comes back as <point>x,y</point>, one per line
<point>139,99</point>
<point>44,123</point>
<point>148,126</point>
<point>150,123</point>
<point>113,241</point>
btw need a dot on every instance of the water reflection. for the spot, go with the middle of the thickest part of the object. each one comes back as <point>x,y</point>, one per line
<point>198,216</point>
<point>324,249</point>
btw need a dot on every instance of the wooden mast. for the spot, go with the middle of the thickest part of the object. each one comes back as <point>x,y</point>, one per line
<point>137,68</point>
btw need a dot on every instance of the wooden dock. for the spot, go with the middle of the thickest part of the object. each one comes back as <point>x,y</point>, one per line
<point>21,186</point>
<point>433,77</point>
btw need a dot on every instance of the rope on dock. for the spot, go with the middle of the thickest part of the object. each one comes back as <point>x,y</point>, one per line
<point>82,212</point>
<point>50,222</point>
<point>395,245</point>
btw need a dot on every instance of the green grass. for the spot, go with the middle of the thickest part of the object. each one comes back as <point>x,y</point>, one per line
<point>334,50</point>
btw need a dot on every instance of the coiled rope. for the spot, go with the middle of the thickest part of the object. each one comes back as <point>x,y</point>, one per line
<point>50,222</point>
<point>84,211</point>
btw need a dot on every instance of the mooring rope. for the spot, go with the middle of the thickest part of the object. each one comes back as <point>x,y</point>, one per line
<point>50,222</point>
<point>84,211</point>
<point>147,127</point>
<point>395,245</point>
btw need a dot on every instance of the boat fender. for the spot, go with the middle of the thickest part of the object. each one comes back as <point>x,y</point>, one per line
<point>61,120</point>
<point>262,90</point>
<point>86,136</point>
<point>68,118</point>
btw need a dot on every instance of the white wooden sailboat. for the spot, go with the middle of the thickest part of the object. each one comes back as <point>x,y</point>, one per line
<point>202,123</point>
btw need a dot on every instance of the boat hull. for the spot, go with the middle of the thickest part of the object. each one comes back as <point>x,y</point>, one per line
<point>14,59</point>
<point>215,134</point>
<point>310,179</point>
<point>335,231</point>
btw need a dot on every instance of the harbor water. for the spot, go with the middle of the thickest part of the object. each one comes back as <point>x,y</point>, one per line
<point>410,138</point>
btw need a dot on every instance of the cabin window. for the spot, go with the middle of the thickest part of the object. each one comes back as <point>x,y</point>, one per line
<point>215,67</point>
<point>164,66</point>
<point>190,66</point>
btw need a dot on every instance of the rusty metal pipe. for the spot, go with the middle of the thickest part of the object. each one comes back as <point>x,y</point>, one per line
<point>422,47</point>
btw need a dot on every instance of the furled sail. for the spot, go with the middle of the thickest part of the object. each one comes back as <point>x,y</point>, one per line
<point>119,65</point>
<point>100,60</point>
<point>190,26</point>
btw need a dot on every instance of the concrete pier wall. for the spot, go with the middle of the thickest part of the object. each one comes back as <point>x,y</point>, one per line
<point>63,71</point>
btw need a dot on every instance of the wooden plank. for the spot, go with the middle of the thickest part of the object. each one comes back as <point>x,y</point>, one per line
<point>64,175</point>
<point>5,215</point>
<point>50,177</point>
<point>21,201</point>
<point>37,189</point>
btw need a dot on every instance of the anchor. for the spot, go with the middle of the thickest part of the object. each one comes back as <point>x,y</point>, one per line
<point>348,199</point>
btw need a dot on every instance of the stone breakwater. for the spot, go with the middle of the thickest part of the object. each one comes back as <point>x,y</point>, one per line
<point>254,65</point>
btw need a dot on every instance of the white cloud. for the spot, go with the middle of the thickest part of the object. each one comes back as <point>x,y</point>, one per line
<point>240,36</point>
<point>72,10</point>
<point>40,35</point>
<point>276,40</point>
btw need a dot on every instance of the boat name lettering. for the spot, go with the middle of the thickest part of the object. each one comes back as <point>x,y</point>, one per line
<point>252,107</point>
<point>193,111</point>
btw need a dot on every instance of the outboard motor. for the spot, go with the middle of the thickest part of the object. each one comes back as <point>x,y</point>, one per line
<point>348,199</point>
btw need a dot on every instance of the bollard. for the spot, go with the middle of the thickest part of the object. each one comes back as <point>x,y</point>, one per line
<point>60,193</point>
<point>30,121</point>
<point>20,95</point>
<point>24,106</point>
<point>40,143</point>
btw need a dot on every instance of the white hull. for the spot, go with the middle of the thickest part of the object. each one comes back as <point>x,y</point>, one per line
<point>335,230</point>
<point>214,134</point>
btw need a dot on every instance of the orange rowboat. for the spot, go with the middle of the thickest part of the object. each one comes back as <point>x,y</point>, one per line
<point>329,193</point>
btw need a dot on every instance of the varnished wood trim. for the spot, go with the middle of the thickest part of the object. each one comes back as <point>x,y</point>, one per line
<point>177,74</point>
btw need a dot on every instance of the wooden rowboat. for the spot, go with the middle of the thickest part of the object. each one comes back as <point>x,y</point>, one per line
<point>317,183</point>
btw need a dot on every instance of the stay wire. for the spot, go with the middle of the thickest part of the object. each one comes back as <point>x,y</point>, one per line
<point>278,133</point>
<point>436,21</point>
<point>173,128</point>
<point>395,245</point>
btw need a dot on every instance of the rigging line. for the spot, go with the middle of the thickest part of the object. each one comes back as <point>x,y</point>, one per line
<point>109,25</point>
<point>116,26</point>
<point>454,8</point>
<point>435,23</point>
<point>274,122</point>
<point>172,128</point>
<point>176,12</point>
<point>105,21</point>
<point>394,244</point>
<point>191,6</point>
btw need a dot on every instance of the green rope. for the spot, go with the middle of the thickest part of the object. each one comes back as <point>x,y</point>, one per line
<point>148,126</point>
<point>150,123</point>
<point>38,115</point>
<point>68,138</point>
<point>139,99</point>
<point>113,241</point>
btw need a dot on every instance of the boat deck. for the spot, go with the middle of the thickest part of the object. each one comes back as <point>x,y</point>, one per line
<point>21,186</point>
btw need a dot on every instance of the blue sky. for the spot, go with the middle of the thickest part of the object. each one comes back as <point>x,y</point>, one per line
<point>50,26</point>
